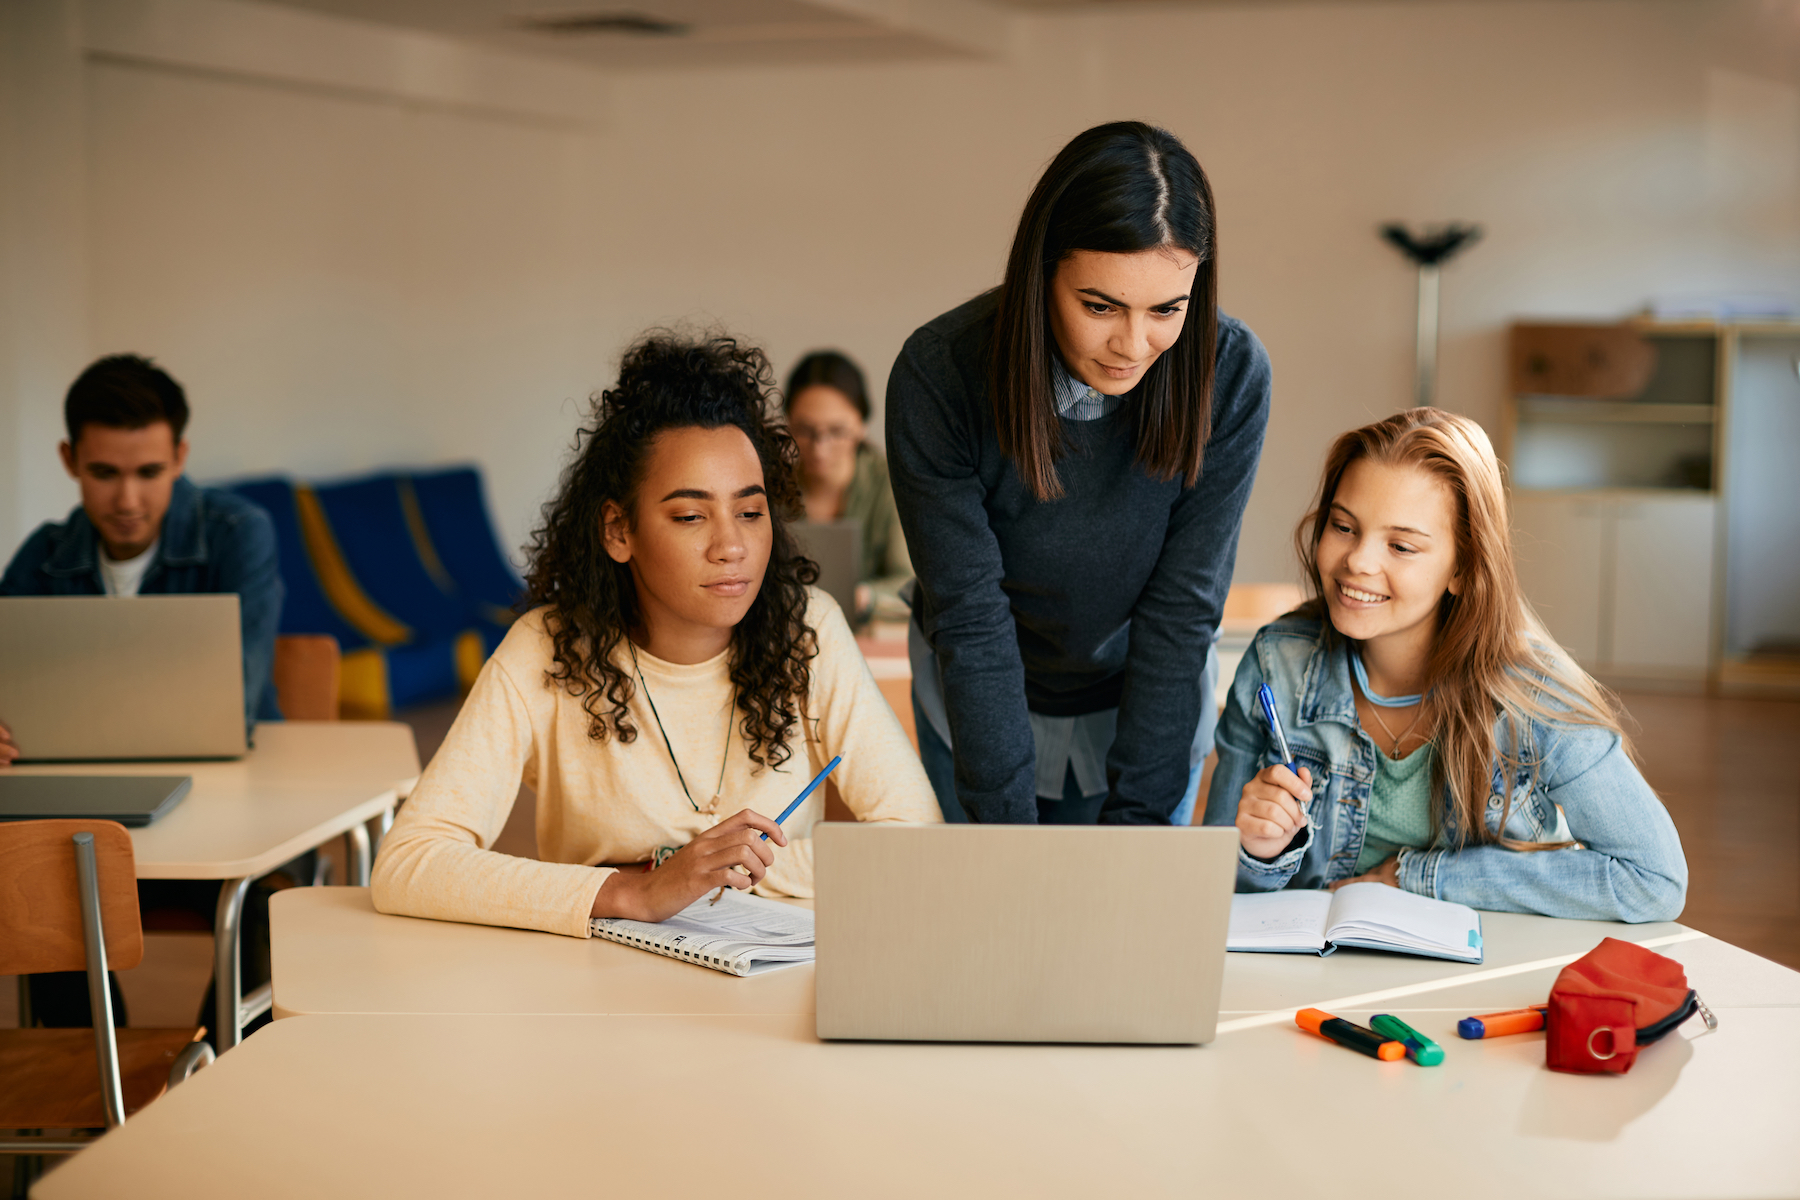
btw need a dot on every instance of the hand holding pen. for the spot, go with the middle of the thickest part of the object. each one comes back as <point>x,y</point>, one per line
<point>787,812</point>
<point>1272,806</point>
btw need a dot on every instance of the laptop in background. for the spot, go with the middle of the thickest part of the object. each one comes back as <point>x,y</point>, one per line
<point>131,800</point>
<point>92,678</point>
<point>837,547</point>
<point>1021,933</point>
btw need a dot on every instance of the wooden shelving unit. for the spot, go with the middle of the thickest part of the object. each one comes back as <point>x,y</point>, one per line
<point>1640,539</point>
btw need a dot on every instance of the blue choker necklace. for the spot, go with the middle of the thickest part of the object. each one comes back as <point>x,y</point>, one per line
<point>1362,681</point>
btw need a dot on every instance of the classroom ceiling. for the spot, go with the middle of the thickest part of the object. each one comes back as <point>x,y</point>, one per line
<point>638,34</point>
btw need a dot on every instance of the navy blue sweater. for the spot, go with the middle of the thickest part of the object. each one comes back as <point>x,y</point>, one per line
<point>1108,596</point>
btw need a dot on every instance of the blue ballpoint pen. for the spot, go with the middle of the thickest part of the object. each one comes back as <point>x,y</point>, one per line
<point>1267,699</point>
<point>789,810</point>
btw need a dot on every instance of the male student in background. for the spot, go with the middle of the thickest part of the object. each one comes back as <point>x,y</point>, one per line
<point>143,529</point>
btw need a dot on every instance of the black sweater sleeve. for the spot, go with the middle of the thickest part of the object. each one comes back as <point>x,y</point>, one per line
<point>934,447</point>
<point>1177,614</point>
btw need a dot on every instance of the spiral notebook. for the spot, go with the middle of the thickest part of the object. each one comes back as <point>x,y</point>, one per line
<point>1371,916</point>
<point>741,935</point>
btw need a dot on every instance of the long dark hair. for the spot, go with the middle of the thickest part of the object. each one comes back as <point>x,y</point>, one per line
<point>670,382</point>
<point>1117,189</point>
<point>828,368</point>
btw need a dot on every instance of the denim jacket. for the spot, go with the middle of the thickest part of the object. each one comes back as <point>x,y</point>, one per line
<point>1626,865</point>
<point>211,541</point>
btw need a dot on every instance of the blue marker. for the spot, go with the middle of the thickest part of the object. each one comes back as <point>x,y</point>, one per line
<point>810,789</point>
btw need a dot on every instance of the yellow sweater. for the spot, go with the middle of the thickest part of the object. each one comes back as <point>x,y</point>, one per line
<point>608,802</point>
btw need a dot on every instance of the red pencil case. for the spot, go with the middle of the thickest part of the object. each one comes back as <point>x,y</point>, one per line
<point>1613,1001</point>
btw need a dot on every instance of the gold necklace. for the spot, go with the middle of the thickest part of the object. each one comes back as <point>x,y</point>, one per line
<point>1375,711</point>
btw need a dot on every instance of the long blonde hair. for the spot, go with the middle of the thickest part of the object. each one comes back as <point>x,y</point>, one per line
<point>1492,656</point>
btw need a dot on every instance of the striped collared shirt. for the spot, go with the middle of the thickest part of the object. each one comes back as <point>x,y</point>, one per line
<point>1079,402</point>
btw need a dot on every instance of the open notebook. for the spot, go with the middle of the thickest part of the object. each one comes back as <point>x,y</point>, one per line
<point>1373,916</point>
<point>741,935</point>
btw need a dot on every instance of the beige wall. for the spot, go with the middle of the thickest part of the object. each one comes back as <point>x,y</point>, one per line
<point>346,280</point>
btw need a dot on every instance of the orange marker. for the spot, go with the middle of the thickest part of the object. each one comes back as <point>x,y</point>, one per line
<point>1349,1035</point>
<point>1519,1020</point>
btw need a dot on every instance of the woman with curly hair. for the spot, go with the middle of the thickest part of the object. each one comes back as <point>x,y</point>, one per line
<point>675,684</point>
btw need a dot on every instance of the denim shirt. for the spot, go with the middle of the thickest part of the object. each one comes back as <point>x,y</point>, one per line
<point>211,542</point>
<point>1626,864</point>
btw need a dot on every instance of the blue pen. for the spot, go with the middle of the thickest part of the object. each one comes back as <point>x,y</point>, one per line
<point>810,789</point>
<point>789,810</point>
<point>1267,699</point>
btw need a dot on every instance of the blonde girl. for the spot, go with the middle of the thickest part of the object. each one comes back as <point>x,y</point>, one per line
<point>1446,744</point>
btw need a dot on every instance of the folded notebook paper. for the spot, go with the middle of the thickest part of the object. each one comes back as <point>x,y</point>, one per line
<point>741,935</point>
<point>1372,916</point>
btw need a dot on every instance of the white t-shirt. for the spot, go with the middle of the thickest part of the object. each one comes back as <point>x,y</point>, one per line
<point>122,578</point>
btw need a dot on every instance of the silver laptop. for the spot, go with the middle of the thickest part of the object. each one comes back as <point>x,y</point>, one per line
<point>837,547</point>
<point>88,678</point>
<point>1021,933</point>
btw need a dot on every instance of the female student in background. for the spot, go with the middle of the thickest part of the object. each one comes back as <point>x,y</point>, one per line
<point>842,477</point>
<point>676,686</point>
<point>1446,744</point>
<point>1071,454</point>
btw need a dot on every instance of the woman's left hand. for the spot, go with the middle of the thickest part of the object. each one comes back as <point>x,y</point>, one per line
<point>1388,872</point>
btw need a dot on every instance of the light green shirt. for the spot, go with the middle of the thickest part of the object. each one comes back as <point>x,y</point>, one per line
<point>1399,807</point>
<point>885,563</point>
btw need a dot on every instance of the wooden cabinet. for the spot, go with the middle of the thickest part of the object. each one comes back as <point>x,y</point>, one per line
<point>1658,532</point>
<point>1622,579</point>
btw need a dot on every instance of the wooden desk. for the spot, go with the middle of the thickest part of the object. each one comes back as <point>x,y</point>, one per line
<point>332,953</point>
<point>305,783</point>
<point>335,955</point>
<point>756,1107</point>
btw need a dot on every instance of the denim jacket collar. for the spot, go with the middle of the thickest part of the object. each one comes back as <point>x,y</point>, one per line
<point>1325,690</point>
<point>183,537</point>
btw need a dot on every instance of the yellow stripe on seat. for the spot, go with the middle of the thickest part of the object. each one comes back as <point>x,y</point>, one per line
<point>339,585</point>
<point>470,654</point>
<point>363,686</point>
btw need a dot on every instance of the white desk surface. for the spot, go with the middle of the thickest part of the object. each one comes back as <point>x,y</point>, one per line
<point>757,1107</point>
<point>305,783</point>
<point>335,955</point>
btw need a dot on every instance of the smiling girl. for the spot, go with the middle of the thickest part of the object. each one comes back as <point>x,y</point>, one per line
<point>1446,744</point>
<point>676,685</point>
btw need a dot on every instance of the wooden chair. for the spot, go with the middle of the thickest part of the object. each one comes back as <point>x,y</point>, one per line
<point>308,669</point>
<point>68,902</point>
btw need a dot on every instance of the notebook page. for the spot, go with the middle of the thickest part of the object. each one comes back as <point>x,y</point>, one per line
<point>748,932</point>
<point>1377,913</point>
<point>1285,920</point>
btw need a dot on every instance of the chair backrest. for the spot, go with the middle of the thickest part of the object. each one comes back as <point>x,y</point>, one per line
<point>40,898</point>
<point>307,669</point>
<point>1257,604</point>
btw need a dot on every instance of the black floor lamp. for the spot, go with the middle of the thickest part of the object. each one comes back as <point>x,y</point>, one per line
<point>1429,251</point>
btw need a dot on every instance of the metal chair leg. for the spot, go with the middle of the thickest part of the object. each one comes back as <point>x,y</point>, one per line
<point>106,1041</point>
<point>228,968</point>
<point>360,857</point>
<point>192,1057</point>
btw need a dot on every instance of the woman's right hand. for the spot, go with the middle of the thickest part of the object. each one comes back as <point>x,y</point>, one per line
<point>1272,809</point>
<point>711,860</point>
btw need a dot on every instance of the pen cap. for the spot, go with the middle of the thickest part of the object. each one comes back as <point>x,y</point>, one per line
<point>1310,1019</point>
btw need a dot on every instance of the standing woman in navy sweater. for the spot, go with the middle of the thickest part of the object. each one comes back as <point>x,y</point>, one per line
<point>1071,454</point>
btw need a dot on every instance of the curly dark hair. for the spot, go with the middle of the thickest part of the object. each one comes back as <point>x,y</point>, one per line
<point>668,381</point>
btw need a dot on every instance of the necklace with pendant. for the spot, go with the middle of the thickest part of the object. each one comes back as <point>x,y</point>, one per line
<point>730,709</point>
<point>1377,703</point>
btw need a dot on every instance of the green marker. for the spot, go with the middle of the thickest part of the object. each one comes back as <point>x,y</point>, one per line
<point>1419,1048</point>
